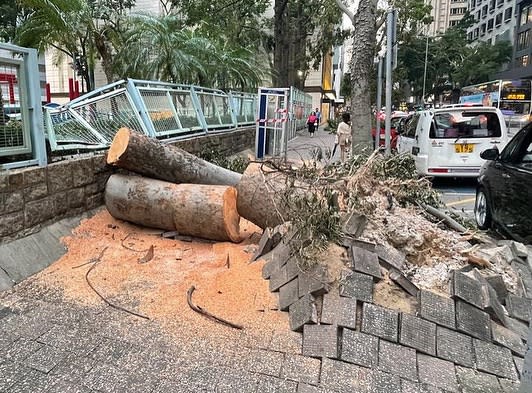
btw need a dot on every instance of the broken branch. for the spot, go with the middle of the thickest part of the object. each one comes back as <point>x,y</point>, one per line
<point>451,223</point>
<point>207,314</point>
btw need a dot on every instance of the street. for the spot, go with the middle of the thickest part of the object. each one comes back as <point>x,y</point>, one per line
<point>458,194</point>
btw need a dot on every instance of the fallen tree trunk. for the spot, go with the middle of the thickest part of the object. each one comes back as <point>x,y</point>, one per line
<point>206,211</point>
<point>152,158</point>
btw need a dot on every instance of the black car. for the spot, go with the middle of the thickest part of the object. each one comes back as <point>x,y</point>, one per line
<point>504,192</point>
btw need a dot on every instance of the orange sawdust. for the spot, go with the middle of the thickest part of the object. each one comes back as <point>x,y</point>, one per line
<point>227,284</point>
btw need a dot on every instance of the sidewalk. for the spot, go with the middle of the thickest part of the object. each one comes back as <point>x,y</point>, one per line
<point>304,148</point>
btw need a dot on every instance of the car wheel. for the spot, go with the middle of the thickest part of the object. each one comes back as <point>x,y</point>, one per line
<point>482,210</point>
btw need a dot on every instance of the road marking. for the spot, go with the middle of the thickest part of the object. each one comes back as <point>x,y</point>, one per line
<point>460,202</point>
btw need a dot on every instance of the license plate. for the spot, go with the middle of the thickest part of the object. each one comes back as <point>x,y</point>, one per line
<point>463,148</point>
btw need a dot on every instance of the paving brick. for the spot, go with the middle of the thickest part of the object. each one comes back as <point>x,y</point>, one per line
<point>455,347</point>
<point>288,294</point>
<point>494,359</point>
<point>345,377</point>
<point>237,381</point>
<point>359,348</point>
<point>380,321</point>
<point>313,281</point>
<point>472,381</point>
<point>355,225</point>
<point>21,349</point>
<point>400,279</point>
<point>265,244</point>
<point>301,369</point>
<point>437,372</point>
<point>320,341</point>
<point>519,307</point>
<point>437,309</point>
<point>33,381</point>
<point>271,266</point>
<point>303,311</point>
<point>278,278</point>
<point>473,321</point>
<point>45,359</point>
<point>366,262</point>
<point>523,271</point>
<point>507,338</point>
<point>509,386</point>
<point>358,286</point>
<point>497,283</point>
<point>286,341</point>
<point>397,360</point>
<point>418,333</point>
<point>468,289</point>
<point>384,382</point>
<point>390,257</point>
<point>519,363</point>
<point>416,387</point>
<point>275,385</point>
<point>492,305</point>
<point>266,362</point>
<point>338,310</point>
<point>305,388</point>
<point>10,373</point>
<point>349,241</point>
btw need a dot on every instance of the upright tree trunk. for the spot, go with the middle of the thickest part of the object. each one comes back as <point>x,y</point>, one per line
<point>361,68</point>
<point>281,42</point>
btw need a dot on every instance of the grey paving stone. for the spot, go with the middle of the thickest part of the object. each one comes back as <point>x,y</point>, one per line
<point>45,358</point>
<point>519,307</point>
<point>198,379</point>
<point>105,378</point>
<point>492,305</point>
<point>301,369</point>
<point>518,327</point>
<point>437,309</point>
<point>73,367</point>
<point>67,386</point>
<point>380,321</point>
<point>338,310</point>
<point>472,381</point>
<point>345,377</point>
<point>313,281</point>
<point>355,225</point>
<point>359,348</point>
<point>288,294</point>
<point>390,257</point>
<point>271,266</point>
<point>509,386</point>
<point>10,373</point>
<point>110,351</point>
<point>416,387</point>
<point>494,359</point>
<point>349,241</point>
<point>400,279</point>
<point>320,341</point>
<point>507,338</point>
<point>305,388</point>
<point>278,278</point>
<point>237,381</point>
<point>266,362</point>
<point>71,338</point>
<point>265,244</point>
<point>519,363</point>
<point>437,372</point>
<point>497,283</point>
<point>358,286</point>
<point>21,349</point>
<point>473,321</point>
<point>384,383</point>
<point>276,385</point>
<point>525,274</point>
<point>286,341</point>
<point>397,360</point>
<point>455,347</point>
<point>366,262</point>
<point>33,381</point>
<point>418,333</point>
<point>303,311</point>
<point>468,289</point>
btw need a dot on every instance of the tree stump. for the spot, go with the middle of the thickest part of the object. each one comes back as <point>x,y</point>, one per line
<point>206,211</point>
<point>152,158</point>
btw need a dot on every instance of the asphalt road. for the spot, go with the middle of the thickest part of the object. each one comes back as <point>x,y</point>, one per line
<point>458,194</point>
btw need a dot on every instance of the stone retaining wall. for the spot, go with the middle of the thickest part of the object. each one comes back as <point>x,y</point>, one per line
<point>33,197</point>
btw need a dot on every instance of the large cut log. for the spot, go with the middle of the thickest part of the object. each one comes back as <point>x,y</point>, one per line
<point>152,158</point>
<point>206,211</point>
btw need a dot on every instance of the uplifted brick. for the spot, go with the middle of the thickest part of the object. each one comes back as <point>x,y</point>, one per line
<point>380,321</point>
<point>508,339</point>
<point>468,289</point>
<point>418,333</point>
<point>437,308</point>
<point>301,312</point>
<point>338,310</point>
<point>358,286</point>
<point>455,347</point>
<point>473,321</point>
<point>366,262</point>
<point>359,348</point>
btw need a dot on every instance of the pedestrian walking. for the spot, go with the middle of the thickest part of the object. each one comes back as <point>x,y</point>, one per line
<point>311,123</point>
<point>318,117</point>
<point>343,133</point>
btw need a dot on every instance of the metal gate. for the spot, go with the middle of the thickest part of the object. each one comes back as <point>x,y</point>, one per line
<point>272,137</point>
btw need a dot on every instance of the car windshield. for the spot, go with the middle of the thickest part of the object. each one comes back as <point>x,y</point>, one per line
<point>465,124</point>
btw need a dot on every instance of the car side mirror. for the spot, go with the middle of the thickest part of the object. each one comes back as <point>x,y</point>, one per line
<point>490,154</point>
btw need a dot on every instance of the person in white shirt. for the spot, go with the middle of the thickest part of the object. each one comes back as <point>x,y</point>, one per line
<point>343,133</point>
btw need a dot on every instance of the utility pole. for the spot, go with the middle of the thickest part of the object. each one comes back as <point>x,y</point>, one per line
<point>379,103</point>
<point>425,71</point>
<point>391,20</point>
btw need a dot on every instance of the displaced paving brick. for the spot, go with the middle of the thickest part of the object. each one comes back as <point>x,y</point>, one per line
<point>359,348</point>
<point>358,286</point>
<point>275,385</point>
<point>518,327</point>
<point>265,244</point>
<point>468,289</point>
<point>437,372</point>
<point>400,279</point>
<point>380,321</point>
<point>455,347</point>
<point>473,321</point>
<point>390,257</point>
<point>320,341</point>
<point>492,305</point>
<point>345,377</point>
<point>366,262</point>
<point>437,308</point>
<point>288,294</point>
<point>505,337</point>
<point>497,283</point>
<point>519,307</point>
<point>472,381</point>
<point>338,310</point>
<point>523,271</point>
<point>303,311</point>
<point>494,359</point>
<point>509,386</point>
<point>416,387</point>
<point>355,225</point>
<point>519,363</point>
<point>271,266</point>
<point>313,281</point>
<point>279,278</point>
<point>397,360</point>
<point>418,333</point>
<point>266,362</point>
<point>301,369</point>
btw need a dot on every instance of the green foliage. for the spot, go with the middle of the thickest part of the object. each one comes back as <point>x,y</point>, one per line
<point>213,154</point>
<point>11,134</point>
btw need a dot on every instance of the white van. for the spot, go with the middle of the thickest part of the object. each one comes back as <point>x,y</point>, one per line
<point>447,142</point>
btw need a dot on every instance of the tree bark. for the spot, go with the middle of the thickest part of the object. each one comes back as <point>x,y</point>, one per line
<point>152,158</point>
<point>205,211</point>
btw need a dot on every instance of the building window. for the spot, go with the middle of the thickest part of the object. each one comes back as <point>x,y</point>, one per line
<point>475,33</point>
<point>482,29</point>
<point>473,3</point>
<point>490,24</point>
<point>458,11</point>
<point>526,15</point>
<point>507,14</point>
<point>492,5</point>
<point>522,61</point>
<point>522,39</point>
<point>453,23</point>
<point>498,20</point>
<point>500,3</point>
<point>485,10</point>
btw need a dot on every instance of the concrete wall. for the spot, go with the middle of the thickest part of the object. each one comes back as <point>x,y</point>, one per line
<point>33,197</point>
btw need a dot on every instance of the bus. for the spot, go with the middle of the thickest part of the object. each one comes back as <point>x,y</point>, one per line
<point>512,97</point>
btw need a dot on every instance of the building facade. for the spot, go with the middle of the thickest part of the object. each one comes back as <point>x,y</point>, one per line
<point>445,14</point>
<point>494,20</point>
